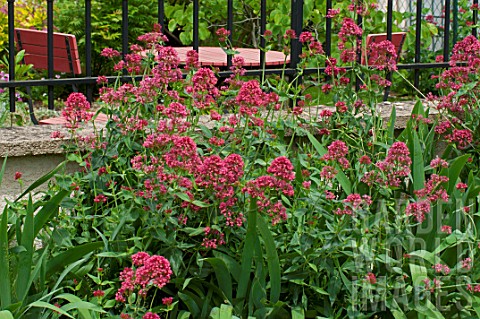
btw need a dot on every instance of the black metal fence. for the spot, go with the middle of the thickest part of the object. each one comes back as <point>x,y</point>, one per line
<point>297,24</point>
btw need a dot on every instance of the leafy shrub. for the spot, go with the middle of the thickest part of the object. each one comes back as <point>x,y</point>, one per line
<point>28,14</point>
<point>270,211</point>
<point>106,25</point>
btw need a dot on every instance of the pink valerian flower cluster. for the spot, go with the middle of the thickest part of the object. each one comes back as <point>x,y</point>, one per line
<point>153,38</point>
<point>203,89</point>
<point>221,176</point>
<point>446,229</point>
<point>431,285</point>
<point>393,170</point>
<point>467,263</point>
<point>222,34</point>
<point>332,13</point>
<point>475,288</point>
<point>213,238</point>
<point>350,34</point>
<point>76,110</point>
<point>282,170</point>
<point>438,163</point>
<point>466,50</point>
<point>382,56</point>
<point>353,203</point>
<point>440,268</point>
<point>418,209</point>
<point>371,278</point>
<point>337,152</point>
<point>462,138</point>
<point>361,8</point>
<point>314,46</point>
<point>192,60</point>
<point>332,69</point>
<point>110,53</point>
<point>251,98</point>
<point>434,189</point>
<point>150,271</point>
<point>150,315</point>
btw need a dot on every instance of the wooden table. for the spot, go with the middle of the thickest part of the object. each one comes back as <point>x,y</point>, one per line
<point>215,56</point>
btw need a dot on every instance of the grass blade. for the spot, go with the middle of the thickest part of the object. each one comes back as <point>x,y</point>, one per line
<point>5,295</point>
<point>223,276</point>
<point>46,305</point>
<point>41,180</point>
<point>247,255</point>
<point>391,126</point>
<point>272,260</point>
<point>25,257</point>
<point>5,314</point>
<point>418,173</point>
<point>48,210</point>
<point>71,255</point>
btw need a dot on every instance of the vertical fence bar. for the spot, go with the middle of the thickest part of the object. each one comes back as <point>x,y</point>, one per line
<point>230,28</point>
<point>446,35</point>
<point>296,25</point>
<point>328,30</point>
<point>50,52</point>
<point>418,35</point>
<point>475,18</point>
<point>455,21</point>
<point>161,14</point>
<point>389,19</point>
<point>389,38</point>
<point>359,47</point>
<point>195,25</point>
<point>124,31</point>
<point>263,28</point>
<point>88,46</point>
<point>11,52</point>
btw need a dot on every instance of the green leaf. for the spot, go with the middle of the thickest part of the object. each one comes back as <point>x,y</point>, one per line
<point>25,257</point>
<point>5,314</point>
<point>46,305</point>
<point>191,305</point>
<point>426,255</point>
<point>391,126</point>
<point>454,170</point>
<point>71,255</point>
<point>247,254</point>
<point>272,260</point>
<point>183,314</point>
<point>429,310</point>
<point>418,173</point>
<point>41,180</point>
<point>48,210</point>
<point>224,279</point>
<point>418,273</point>
<point>206,131</point>
<point>298,313</point>
<point>5,295</point>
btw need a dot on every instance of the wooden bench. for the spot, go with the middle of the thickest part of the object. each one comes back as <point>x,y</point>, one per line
<point>65,54</point>
<point>398,38</point>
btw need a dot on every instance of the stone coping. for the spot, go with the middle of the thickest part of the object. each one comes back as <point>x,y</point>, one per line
<point>36,140</point>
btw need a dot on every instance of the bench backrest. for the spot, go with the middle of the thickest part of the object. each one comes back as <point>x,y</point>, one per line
<point>65,50</point>
<point>397,40</point>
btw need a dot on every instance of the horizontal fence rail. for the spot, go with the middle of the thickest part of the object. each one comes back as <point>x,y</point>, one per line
<point>297,24</point>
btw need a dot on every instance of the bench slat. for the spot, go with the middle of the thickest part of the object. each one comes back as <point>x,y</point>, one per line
<point>59,64</point>
<point>34,42</point>
<point>57,53</point>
